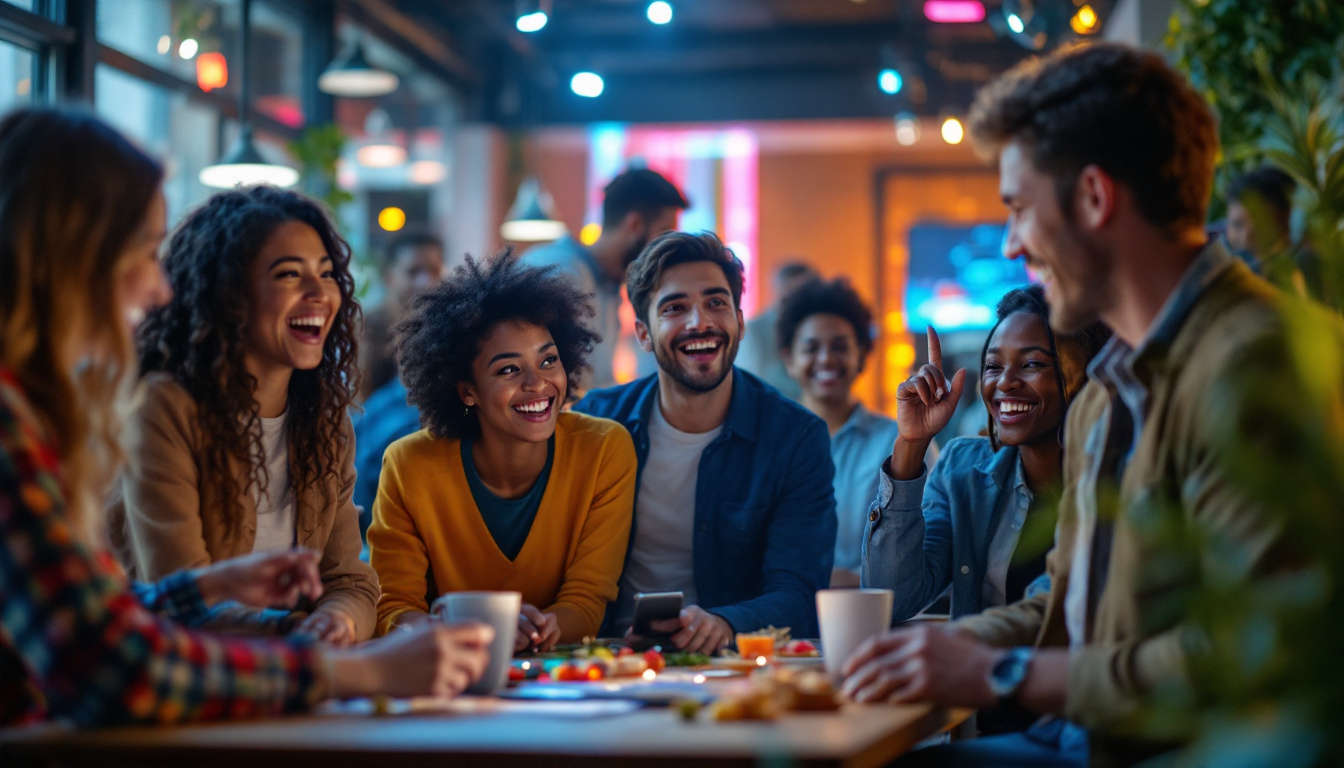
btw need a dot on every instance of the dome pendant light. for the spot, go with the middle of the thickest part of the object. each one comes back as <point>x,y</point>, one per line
<point>353,76</point>
<point>243,165</point>
<point>530,219</point>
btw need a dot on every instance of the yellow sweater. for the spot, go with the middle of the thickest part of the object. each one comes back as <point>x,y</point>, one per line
<point>428,538</point>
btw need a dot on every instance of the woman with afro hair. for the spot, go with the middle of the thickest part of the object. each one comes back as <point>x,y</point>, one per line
<point>243,443</point>
<point>502,489</point>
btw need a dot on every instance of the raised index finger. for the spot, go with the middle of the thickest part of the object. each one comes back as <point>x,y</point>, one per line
<point>935,350</point>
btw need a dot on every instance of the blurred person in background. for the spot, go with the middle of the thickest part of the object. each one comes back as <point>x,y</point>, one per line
<point>637,206</point>
<point>1259,231</point>
<point>959,523</point>
<point>760,352</point>
<point>412,263</point>
<point>82,217</point>
<point>826,334</point>
<point>242,442</point>
<point>502,490</point>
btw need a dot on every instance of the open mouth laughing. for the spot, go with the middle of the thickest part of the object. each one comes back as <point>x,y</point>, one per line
<point>536,411</point>
<point>1010,411</point>
<point>307,328</point>
<point>702,349</point>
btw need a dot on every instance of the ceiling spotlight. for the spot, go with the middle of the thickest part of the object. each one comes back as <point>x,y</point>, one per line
<point>188,48</point>
<point>532,22</point>
<point>1016,24</point>
<point>660,12</point>
<point>533,15</point>
<point>165,45</point>
<point>1084,22</point>
<point>889,80</point>
<point>907,129</point>
<point>587,84</point>
<point>953,132</point>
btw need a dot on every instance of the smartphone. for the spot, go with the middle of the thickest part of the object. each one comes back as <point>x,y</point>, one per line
<point>651,607</point>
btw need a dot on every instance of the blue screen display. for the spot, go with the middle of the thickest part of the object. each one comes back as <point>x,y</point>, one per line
<point>957,275</point>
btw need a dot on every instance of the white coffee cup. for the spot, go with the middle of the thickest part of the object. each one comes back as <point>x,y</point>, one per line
<point>498,609</point>
<point>847,618</point>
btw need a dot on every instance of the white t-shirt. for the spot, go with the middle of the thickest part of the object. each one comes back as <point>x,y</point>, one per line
<point>276,517</point>
<point>662,554</point>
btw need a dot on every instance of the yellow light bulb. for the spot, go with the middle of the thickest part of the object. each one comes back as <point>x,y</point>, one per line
<point>590,233</point>
<point>953,132</point>
<point>391,219</point>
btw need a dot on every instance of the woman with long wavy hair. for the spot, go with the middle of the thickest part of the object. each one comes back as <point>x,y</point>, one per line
<point>81,221</point>
<point>243,442</point>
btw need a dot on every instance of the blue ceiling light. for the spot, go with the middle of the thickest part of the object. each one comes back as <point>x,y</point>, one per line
<point>889,80</point>
<point>660,12</point>
<point>532,22</point>
<point>587,84</point>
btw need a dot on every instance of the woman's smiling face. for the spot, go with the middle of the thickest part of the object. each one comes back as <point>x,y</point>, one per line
<point>1019,383</point>
<point>518,383</point>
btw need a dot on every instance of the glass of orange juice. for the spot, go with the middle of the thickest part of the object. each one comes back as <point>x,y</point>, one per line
<point>756,646</point>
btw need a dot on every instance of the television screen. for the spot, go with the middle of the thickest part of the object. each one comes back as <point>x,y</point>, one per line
<point>957,275</point>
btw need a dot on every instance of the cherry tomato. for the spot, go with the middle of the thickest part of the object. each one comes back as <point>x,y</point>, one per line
<point>517,675</point>
<point>626,651</point>
<point>655,661</point>
<point>567,673</point>
<point>596,671</point>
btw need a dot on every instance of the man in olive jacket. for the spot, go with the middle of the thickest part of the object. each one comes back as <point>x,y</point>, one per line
<point>1106,160</point>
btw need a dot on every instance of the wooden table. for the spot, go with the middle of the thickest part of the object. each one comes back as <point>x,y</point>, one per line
<point>856,737</point>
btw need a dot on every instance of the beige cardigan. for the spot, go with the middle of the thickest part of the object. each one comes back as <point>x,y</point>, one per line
<point>162,518</point>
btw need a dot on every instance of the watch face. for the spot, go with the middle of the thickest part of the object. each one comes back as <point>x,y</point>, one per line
<point>1009,671</point>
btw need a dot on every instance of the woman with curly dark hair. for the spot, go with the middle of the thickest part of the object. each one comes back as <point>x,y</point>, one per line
<point>960,524</point>
<point>243,443</point>
<point>502,490</point>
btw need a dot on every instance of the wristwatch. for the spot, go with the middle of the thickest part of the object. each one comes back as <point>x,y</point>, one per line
<point>1008,673</point>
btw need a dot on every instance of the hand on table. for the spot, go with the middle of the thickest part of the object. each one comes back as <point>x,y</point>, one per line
<point>262,579</point>
<point>430,659</point>
<point>537,631</point>
<point>329,626</point>
<point>925,663</point>
<point>696,630</point>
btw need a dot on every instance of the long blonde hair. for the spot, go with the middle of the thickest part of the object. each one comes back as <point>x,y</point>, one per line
<point>73,192</point>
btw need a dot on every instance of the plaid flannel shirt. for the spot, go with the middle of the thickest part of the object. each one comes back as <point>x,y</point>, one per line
<point>77,643</point>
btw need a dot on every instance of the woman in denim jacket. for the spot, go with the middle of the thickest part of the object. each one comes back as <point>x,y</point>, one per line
<point>960,524</point>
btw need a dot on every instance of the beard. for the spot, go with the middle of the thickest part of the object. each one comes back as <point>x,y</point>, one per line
<point>1080,290</point>
<point>686,374</point>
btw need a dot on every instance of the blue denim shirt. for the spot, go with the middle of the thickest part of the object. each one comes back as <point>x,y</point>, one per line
<point>957,524</point>
<point>387,418</point>
<point>764,507</point>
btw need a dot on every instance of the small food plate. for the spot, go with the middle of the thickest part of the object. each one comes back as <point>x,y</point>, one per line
<point>804,662</point>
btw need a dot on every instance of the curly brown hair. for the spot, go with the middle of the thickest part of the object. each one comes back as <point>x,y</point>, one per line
<point>198,338</point>
<point>438,341</point>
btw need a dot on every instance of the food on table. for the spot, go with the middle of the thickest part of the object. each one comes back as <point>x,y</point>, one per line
<point>776,691</point>
<point>686,659</point>
<point>799,649</point>
<point>756,645</point>
<point>688,709</point>
<point>654,660</point>
<point>568,673</point>
<point>596,670</point>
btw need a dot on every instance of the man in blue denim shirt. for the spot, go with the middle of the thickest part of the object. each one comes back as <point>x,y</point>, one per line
<point>734,506</point>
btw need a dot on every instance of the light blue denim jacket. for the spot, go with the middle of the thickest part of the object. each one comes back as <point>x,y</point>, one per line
<point>940,528</point>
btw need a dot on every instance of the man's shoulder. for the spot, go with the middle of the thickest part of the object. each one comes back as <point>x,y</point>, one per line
<point>618,402</point>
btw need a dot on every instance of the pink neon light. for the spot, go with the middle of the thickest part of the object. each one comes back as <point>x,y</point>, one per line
<point>954,11</point>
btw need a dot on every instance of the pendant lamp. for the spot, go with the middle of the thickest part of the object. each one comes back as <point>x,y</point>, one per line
<point>530,219</point>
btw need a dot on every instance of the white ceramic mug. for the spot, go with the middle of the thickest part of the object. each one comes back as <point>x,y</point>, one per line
<point>498,609</point>
<point>847,618</point>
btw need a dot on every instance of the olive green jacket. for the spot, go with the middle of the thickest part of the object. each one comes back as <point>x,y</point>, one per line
<point>1136,642</point>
